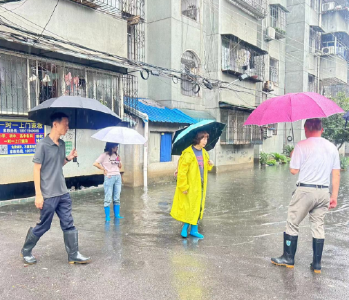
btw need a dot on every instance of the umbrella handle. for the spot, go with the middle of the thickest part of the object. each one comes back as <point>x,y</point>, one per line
<point>75,159</point>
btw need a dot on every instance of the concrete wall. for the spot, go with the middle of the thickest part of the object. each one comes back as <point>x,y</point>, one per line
<point>90,28</point>
<point>73,22</point>
<point>335,21</point>
<point>334,67</point>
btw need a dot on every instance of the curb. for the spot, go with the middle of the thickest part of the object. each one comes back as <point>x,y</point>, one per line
<point>32,199</point>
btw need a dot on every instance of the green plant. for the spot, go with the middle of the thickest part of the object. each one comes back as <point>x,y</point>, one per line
<point>271,162</point>
<point>344,162</point>
<point>336,129</point>
<point>288,149</point>
<point>263,158</point>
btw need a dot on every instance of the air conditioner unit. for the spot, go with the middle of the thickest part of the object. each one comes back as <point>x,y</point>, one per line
<point>270,34</point>
<point>328,50</point>
<point>268,86</point>
<point>328,6</point>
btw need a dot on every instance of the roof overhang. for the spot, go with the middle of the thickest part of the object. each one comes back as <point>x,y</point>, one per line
<point>26,44</point>
<point>246,108</point>
<point>244,43</point>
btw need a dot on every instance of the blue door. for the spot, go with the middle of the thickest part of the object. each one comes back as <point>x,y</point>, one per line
<point>165,147</point>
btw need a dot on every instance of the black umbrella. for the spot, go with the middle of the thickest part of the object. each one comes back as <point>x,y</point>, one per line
<point>83,113</point>
<point>184,137</point>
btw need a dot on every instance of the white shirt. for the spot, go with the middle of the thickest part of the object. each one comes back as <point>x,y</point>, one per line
<point>315,158</point>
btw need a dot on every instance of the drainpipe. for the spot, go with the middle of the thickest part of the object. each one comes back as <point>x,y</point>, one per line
<point>145,119</point>
<point>145,149</point>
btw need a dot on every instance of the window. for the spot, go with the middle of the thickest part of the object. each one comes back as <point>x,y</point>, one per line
<point>104,88</point>
<point>314,40</point>
<point>278,21</point>
<point>189,68</point>
<point>160,145</point>
<point>13,85</point>
<point>274,71</point>
<point>239,57</point>
<point>190,9</point>
<point>234,131</point>
<point>312,83</point>
<point>27,82</point>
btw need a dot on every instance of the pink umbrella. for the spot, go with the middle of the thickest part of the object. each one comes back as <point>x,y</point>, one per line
<point>293,107</point>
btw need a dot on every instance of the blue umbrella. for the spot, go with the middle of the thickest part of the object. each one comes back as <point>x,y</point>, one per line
<point>184,137</point>
<point>346,118</point>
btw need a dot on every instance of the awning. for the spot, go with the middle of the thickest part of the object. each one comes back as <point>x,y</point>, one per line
<point>158,113</point>
<point>26,42</point>
<point>245,44</point>
<point>198,115</point>
<point>236,106</point>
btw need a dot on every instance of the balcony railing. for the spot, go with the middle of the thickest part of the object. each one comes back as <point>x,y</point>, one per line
<point>256,8</point>
<point>118,8</point>
<point>240,57</point>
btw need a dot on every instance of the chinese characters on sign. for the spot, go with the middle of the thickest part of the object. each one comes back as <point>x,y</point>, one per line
<point>19,137</point>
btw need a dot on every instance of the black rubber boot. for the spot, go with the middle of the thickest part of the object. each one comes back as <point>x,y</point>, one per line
<point>290,248</point>
<point>72,247</point>
<point>29,244</point>
<point>318,247</point>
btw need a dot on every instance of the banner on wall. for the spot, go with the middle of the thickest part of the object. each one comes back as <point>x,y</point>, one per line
<point>19,138</point>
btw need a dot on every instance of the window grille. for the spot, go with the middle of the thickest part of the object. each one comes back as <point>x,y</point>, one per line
<point>314,40</point>
<point>274,71</point>
<point>190,9</point>
<point>189,68</point>
<point>27,82</point>
<point>278,21</point>
<point>234,132</point>
<point>312,83</point>
<point>239,57</point>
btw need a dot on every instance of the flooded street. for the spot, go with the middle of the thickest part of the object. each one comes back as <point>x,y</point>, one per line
<point>144,257</point>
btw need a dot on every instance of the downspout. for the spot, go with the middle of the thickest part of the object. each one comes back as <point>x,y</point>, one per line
<point>145,149</point>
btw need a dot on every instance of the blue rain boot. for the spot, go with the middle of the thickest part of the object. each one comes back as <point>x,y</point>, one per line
<point>117,212</point>
<point>194,232</point>
<point>184,232</point>
<point>107,213</point>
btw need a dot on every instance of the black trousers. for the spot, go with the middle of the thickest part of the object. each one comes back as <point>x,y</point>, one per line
<point>62,206</point>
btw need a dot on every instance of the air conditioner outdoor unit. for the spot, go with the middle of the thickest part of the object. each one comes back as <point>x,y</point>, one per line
<point>328,50</point>
<point>328,6</point>
<point>270,34</point>
<point>268,86</point>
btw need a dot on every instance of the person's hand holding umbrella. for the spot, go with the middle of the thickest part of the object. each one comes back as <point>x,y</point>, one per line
<point>73,154</point>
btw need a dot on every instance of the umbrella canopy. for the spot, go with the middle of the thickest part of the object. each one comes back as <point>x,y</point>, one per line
<point>121,135</point>
<point>293,107</point>
<point>185,137</point>
<point>83,113</point>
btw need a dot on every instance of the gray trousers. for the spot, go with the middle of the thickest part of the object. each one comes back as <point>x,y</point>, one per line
<point>314,201</point>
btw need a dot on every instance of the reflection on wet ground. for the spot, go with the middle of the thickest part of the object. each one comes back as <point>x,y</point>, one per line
<point>144,257</point>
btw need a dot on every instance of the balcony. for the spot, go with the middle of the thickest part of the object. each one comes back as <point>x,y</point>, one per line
<point>255,8</point>
<point>112,7</point>
<point>333,70</point>
<point>127,9</point>
<point>239,57</point>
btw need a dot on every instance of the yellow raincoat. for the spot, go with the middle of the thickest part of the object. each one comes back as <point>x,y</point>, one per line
<point>188,208</point>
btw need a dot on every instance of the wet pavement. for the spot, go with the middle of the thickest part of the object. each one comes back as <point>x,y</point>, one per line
<point>144,257</point>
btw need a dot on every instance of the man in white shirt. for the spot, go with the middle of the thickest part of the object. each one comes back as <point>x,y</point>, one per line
<point>314,159</point>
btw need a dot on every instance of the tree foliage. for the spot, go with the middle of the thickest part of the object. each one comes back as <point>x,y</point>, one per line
<point>335,128</point>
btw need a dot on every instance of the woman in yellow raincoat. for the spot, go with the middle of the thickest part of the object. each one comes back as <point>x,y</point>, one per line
<point>189,199</point>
